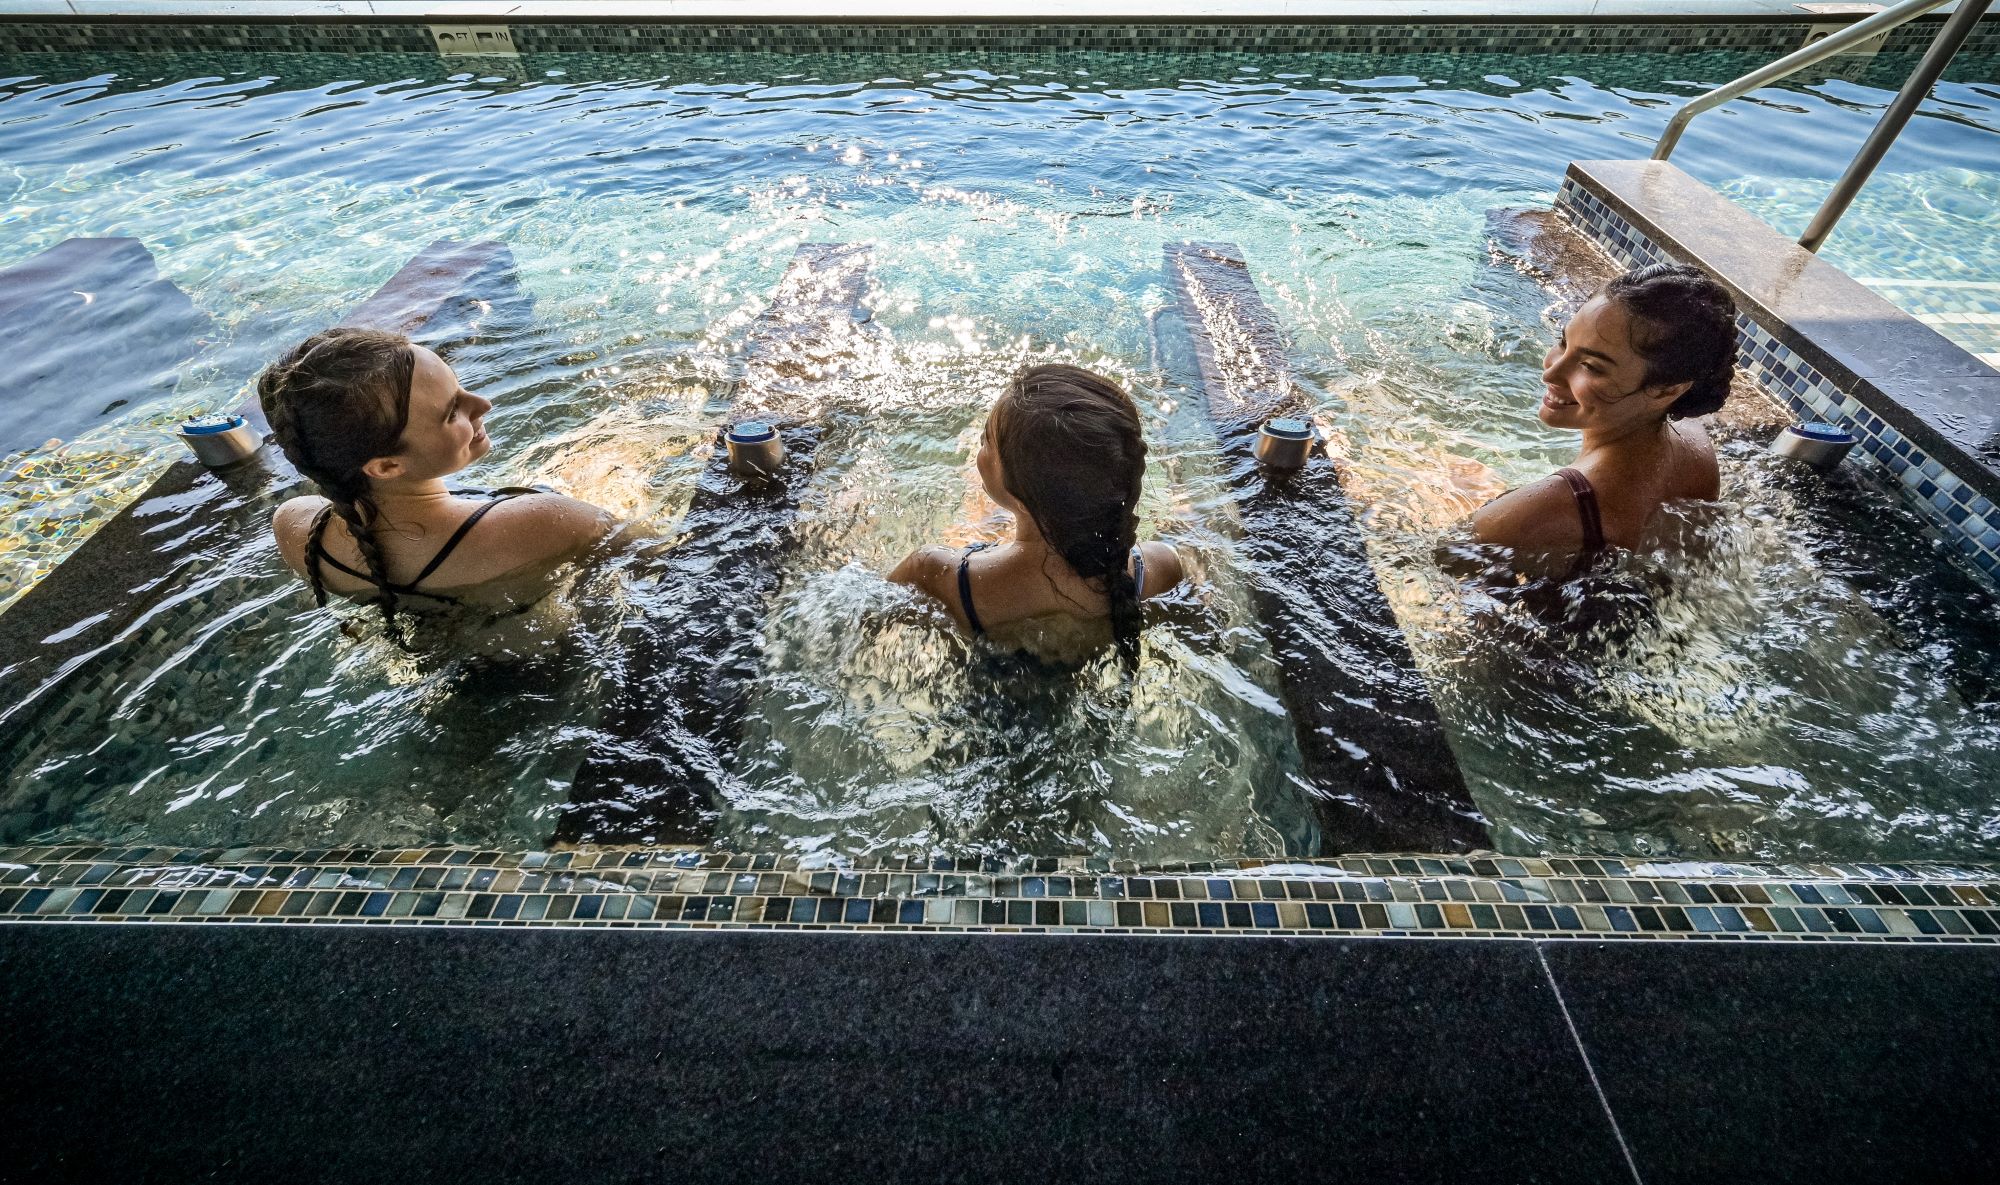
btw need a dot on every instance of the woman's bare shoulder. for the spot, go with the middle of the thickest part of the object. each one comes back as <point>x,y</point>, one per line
<point>926,568</point>
<point>292,522</point>
<point>1703,476</point>
<point>1538,516</point>
<point>549,526</point>
<point>1163,567</point>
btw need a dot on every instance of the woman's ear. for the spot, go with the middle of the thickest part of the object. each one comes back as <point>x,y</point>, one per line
<point>382,468</point>
<point>1670,393</point>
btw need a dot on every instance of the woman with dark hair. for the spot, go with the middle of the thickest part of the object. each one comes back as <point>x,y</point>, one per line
<point>1064,452</point>
<point>1655,348</point>
<point>377,422</point>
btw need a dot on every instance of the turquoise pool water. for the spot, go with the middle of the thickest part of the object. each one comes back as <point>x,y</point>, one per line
<point>1017,204</point>
<point>1928,240</point>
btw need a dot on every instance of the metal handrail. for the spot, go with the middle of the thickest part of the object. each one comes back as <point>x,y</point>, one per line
<point>1817,52</point>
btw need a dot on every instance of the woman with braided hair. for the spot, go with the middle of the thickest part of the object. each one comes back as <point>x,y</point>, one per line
<point>1064,452</point>
<point>1655,348</point>
<point>378,422</point>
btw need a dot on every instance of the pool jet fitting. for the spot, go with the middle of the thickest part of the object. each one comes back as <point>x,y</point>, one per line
<point>220,443</point>
<point>1820,445</point>
<point>1284,444</point>
<point>755,451</point>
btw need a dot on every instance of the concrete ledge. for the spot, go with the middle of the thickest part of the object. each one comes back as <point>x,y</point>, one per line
<point>670,730</point>
<point>60,310</point>
<point>1819,342</point>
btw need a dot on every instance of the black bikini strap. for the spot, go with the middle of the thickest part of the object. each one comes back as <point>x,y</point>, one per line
<point>451,544</point>
<point>316,552</point>
<point>965,589</point>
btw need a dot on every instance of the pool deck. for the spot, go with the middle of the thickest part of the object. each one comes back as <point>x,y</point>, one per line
<point>351,1054</point>
<point>927,10</point>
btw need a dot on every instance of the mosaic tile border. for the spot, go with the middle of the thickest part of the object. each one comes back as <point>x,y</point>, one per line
<point>1492,35</point>
<point>1962,513</point>
<point>1406,896</point>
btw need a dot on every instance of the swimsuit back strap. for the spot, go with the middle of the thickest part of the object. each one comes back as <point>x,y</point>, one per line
<point>965,588</point>
<point>1586,509</point>
<point>451,544</point>
<point>1138,573</point>
<point>316,549</point>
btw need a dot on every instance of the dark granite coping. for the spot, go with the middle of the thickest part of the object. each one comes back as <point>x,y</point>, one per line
<point>454,1054</point>
<point>1920,382</point>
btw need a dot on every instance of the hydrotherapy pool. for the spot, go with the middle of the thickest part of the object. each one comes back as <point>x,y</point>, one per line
<point>1795,697</point>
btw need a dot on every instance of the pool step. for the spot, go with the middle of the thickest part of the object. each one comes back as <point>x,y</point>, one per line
<point>1381,772</point>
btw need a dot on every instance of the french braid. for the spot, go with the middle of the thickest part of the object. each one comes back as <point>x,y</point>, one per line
<point>1074,454</point>
<point>334,402</point>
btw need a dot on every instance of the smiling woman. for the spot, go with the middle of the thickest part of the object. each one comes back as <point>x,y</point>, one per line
<point>378,422</point>
<point>1652,351</point>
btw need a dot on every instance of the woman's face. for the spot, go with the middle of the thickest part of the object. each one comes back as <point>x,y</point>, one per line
<point>1593,379</point>
<point>446,430</point>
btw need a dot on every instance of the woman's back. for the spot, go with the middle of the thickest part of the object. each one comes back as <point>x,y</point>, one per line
<point>491,550</point>
<point>998,591</point>
<point>1063,452</point>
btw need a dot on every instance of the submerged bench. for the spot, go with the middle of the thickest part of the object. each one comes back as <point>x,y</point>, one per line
<point>1379,769</point>
<point>57,634</point>
<point>670,731</point>
<point>91,327</point>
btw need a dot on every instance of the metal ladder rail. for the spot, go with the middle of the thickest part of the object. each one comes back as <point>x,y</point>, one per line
<point>1935,59</point>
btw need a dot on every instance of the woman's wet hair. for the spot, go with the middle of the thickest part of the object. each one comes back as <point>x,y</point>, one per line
<point>335,401</point>
<point>1073,454</point>
<point>1684,326</point>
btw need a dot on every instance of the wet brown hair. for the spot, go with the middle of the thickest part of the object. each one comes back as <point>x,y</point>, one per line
<point>1684,326</point>
<point>335,401</point>
<point>1073,455</point>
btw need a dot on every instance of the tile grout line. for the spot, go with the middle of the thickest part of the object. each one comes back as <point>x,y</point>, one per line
<point>1603,1100</point>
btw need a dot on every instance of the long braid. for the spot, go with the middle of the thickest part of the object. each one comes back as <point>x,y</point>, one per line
<point>335,401</point>
<point>1074,453</point>
<point>359,512</point>
<point>1119,587</point>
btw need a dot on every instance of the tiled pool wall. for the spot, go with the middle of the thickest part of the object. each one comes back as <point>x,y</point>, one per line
<point>1962,514</point>
<point>1355,896</point>
<point>1520,35</point>
<point>1366,896</point>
